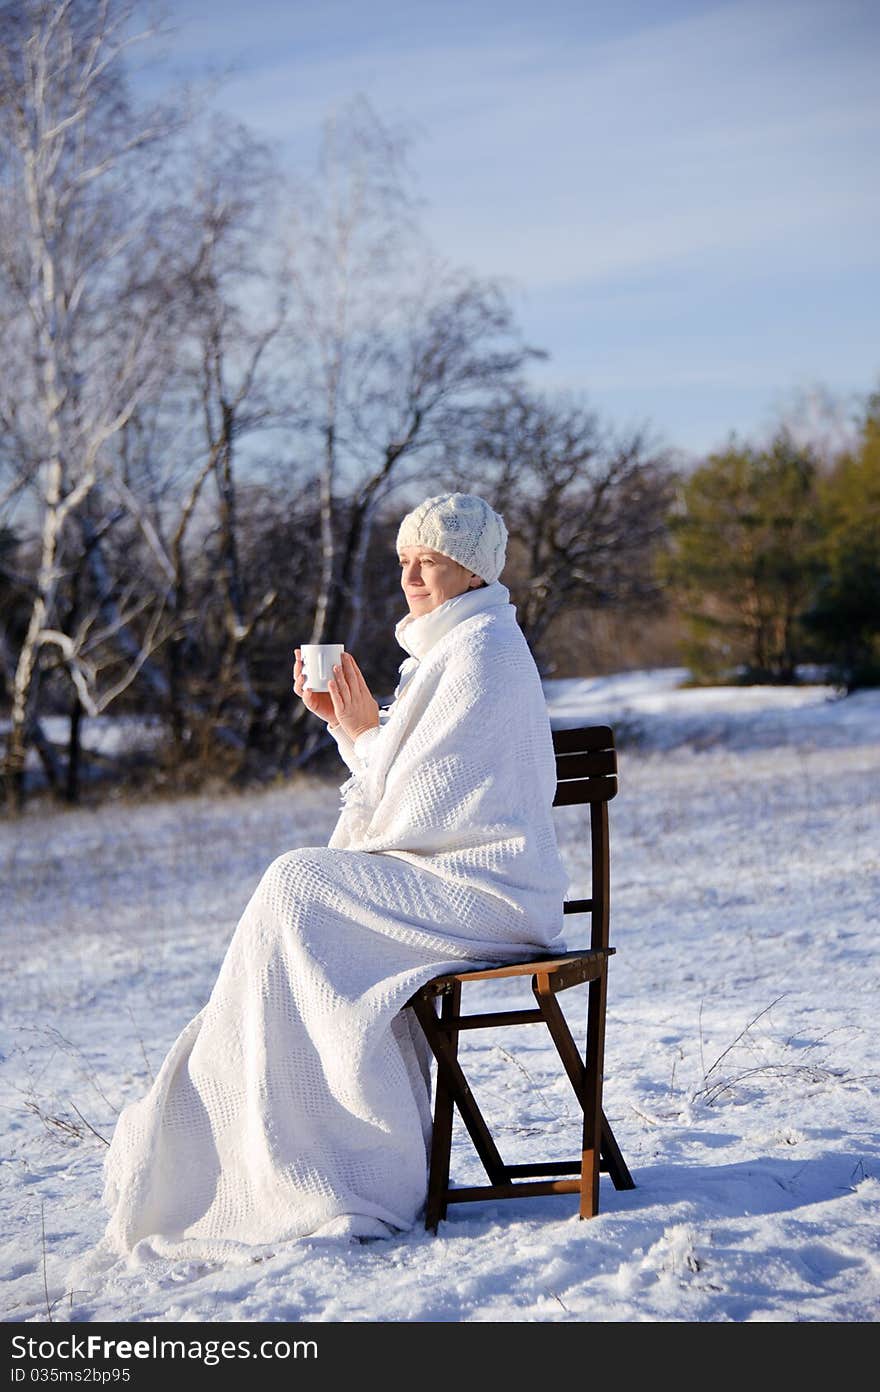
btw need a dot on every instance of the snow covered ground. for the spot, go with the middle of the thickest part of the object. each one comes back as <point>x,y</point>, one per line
<point>651,710</point>
<point>740,1081</point>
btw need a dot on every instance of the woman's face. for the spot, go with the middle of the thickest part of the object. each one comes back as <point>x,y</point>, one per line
<point>429,578</point>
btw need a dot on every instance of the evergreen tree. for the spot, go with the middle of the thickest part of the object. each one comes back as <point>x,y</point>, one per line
<point>743,558</point>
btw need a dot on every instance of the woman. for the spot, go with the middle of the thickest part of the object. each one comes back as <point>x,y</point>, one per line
<point>297,1101</point>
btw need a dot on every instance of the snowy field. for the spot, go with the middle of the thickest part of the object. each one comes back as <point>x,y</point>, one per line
<point>741,1081</point>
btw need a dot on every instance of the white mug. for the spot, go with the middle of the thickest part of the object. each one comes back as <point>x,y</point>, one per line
<point>318,660</point>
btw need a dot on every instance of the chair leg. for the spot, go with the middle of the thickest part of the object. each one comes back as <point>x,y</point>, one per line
<point>593,1064</point>
<point>441,1135</point>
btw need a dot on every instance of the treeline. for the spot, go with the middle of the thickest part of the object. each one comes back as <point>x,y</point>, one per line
<point>220,389</point>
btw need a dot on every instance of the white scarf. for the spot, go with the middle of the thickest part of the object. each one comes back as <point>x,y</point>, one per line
<point>417,634</point>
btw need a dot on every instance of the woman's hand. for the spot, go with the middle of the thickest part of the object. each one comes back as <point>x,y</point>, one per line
<point>318,702</point>
<point>354,706</point>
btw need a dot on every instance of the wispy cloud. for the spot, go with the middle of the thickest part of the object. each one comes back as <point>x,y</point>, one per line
<point>555,157</point>
<point>614,160</point>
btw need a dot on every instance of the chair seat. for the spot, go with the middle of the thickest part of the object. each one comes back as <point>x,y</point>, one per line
<point>592,962</point>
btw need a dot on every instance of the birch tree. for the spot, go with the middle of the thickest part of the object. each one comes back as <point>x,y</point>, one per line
<point>76,181</point>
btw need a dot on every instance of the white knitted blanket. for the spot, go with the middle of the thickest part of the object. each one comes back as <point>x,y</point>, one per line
<point>301,1091</point>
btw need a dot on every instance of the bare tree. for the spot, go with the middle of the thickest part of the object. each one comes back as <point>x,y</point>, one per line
<point>237,307</point>
<point>183,454</point>
<point>84,280</point>
<point>396,345</point>
<point>585,511</point>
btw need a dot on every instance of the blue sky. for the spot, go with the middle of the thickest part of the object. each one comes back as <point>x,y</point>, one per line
<point>683,197</point>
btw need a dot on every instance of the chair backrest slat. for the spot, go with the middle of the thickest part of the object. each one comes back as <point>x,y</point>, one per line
<point>583,738</point>
<point>583,765</point>
<point>585,790</point>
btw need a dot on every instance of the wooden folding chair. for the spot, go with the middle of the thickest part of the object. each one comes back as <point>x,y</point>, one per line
<point>586,768</point>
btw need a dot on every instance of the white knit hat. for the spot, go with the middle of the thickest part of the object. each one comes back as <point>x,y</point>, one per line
<point>459,525</point>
